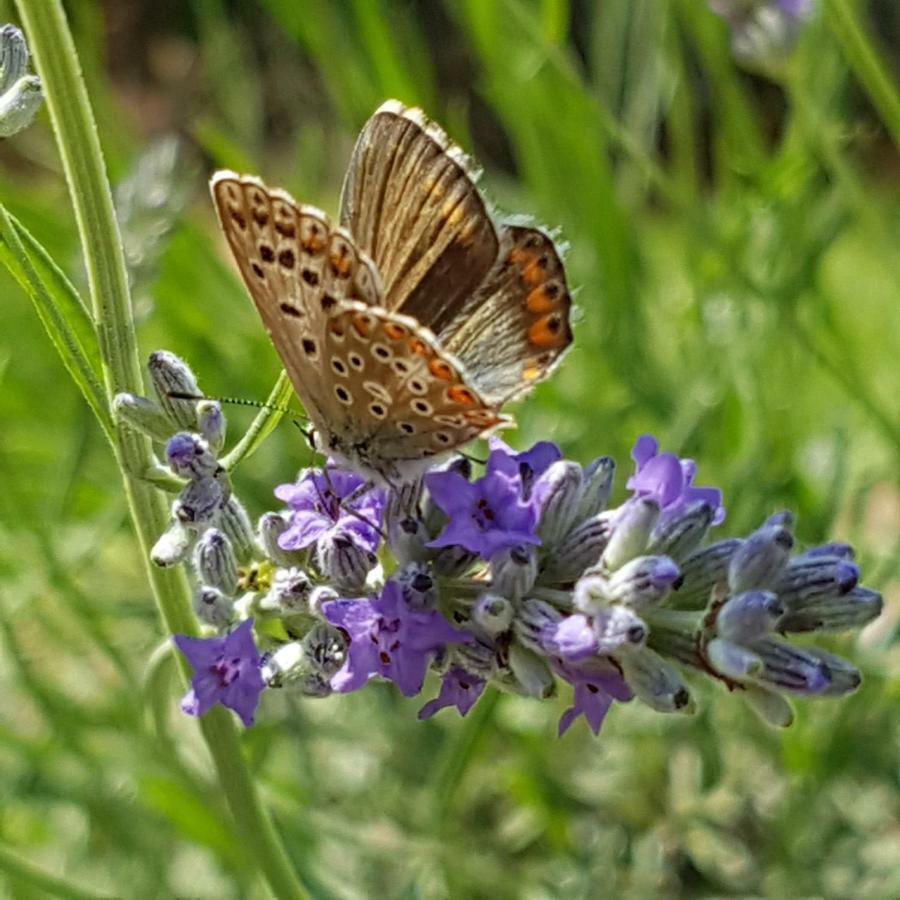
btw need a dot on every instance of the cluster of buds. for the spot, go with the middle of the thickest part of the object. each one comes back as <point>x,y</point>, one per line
<point>20,93</point>
<point>524,579</point>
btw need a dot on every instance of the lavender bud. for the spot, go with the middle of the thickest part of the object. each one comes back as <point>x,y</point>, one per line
<point>557,493</point>
<point>809,577</point>
<point>772,708</point>
<point>343,561</point>
<point>20,94</point>
<point>408,539</point>
<point>174,544</point>
<point>514,570</point>
<point>313,684</point>
<point>748,616</point>
<point>169,375</point>
<point>654,680</point>
<point>319,596</point>
<point>701,572</point>
<point>420,592</point>
<point>590,592</point>
<point>493,613</point>
<point>215,561</point>
<point>631,532</point>
<point>805,670</point>
<point>531,672</point>
<point>189,456</point>
<point>643,582</point>
<point>596,486</point>
<point>211,424</point>
<point>143,415</point>
<point>199,502</point>
<point>833,612</point>
<point>617,626</point>
<point>285,665</point>
<point>580,549</point>
<point>451,562</point>
<point>679,535</point>
<point>213,607</point>
<point>841,551</point>
<point>270,527</point>
<point>732,660</point>
<point>477,657</point>
<point>289,592</point>
<point>536,623</point>
<point>325,649</point>
<point>234,523</point>
<point>758,562</point>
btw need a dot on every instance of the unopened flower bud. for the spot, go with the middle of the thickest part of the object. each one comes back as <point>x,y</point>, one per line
<point>701,572</point>
<point>590,592</point>
<point>807,578</point>
<point>531,672</point>
<point>213,607</point>
<point>514,570</point>
<point>211,424</point>
<point>199,502</point>
<point>419,589</point>
<point>343,561</point>
<point>759,561</point>
<point>617,626</point>
<point>171,377</point>
<point>580,549</point>
<point>235,524</point>
<point>557,493</point>
<point>841,551</point>
<point>285,665</point>
<point>215,561</point>
<point>477,657</point>
<point>451,562</point>
<point>20,93</point>
<point>143,415</point>
<point>325,649</point>
<point>748,616</point>
<point>772,708</point>
<point>732,660</point>
<point>804,670</point>
<point>596,486</point>
<point>631,532</point>
<point>833,612</point>
<point>289,592</point>
<point>493,613</point>
<point>174,544</point>
<point>679,535</point>
<point>270,527</point>
<point>189,456</point>
<point>654,680</point>
<point>643,582</point>
<point>319,597</point>
<point>535,624</point>
<point>408,540</point>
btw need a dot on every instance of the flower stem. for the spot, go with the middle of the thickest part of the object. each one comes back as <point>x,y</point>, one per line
<point>79,146</point>
<point>44,883</point>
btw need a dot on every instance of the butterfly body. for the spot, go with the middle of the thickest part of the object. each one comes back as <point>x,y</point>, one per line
<point>405,328</point>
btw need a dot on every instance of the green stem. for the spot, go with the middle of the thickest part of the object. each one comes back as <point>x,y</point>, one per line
<point>865,63</point>
<point>48,885</point>
<point>79,146</point>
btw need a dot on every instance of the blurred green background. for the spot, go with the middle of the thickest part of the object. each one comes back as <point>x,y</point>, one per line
<point>733,234</point>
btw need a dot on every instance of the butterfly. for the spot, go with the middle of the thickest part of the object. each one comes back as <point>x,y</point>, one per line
<point>405,328</point>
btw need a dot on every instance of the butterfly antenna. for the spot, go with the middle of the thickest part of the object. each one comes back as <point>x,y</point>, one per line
<point>235,401</point>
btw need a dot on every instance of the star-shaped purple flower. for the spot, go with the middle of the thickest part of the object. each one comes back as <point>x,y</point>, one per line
<point>529,465</point>
<point>669,480</point>
<point>319,507</point>
<point>595,686</point>
<point>486,516</point>
<point>388,639</point>
<point>459,689</point>
<point>226,671</point>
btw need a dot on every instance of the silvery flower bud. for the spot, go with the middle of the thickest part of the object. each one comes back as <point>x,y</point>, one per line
<point>580,549</point>
<point>270,527</point>
<point>536,623</point>
<point>493,613</point>
<point>631,532</point>
<point>643,582</point>
<point>596,486</point>
<point>451,562</point>
<point>514,570</point>
<point>419,589</point>
<point>199,502</point>
<point>285,665</point>
<point>325,649</point>
<point>343,561</point>
<point>169,375</point>
<point>319,596</point>
<point>701,572</point>
<point>772,708</point>
<point>680,535</point>
<point>748,616</point>
<point>841,551</point>
<point>654,680</point>
<point>617,626</point>
<point>807,578</point>
<point>531,672</point>
<point>557,492</point>
<point>313,684</point>
<point>289,592</point>
<point>174,544</point>
<point>804,670</point>
<point>234,523</point>
<point>215,561</point>
<point>189,456</point>
<point>212,606</point>
<point>19,104</point>
<point>590,592</point>
<point>211,424</point>
<point>143,415</point>
<point>759,561</point>
<point>834,612</point>
<point>408,540</point>
<point>732,660</point>
<point>476,657</point>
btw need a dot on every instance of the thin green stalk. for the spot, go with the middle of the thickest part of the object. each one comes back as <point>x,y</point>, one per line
<point>79,146</point>
<point>48,885</point>
<point>865,63</point>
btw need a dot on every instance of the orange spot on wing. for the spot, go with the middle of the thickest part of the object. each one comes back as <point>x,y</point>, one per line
<point>461,395</point>
<point>394,331</point>
<point>336,326</point>
<point>441,370</point>
<point>533,274</point>
<point>362,325</point>
<point>419,347</point>
<point>312,244</point>
<point>340,264</point>
<point>546,332</point>
<point>540,301</point>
